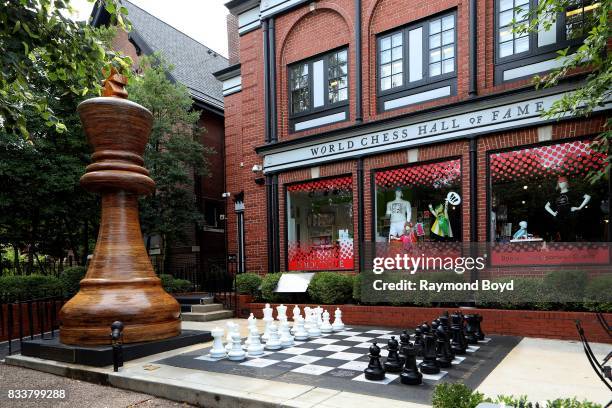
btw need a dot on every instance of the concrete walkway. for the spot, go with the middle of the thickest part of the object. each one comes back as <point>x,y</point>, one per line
<point>542,369</point>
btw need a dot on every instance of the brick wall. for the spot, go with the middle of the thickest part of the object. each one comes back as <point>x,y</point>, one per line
<point>233,39</point>
<point>320,26</point>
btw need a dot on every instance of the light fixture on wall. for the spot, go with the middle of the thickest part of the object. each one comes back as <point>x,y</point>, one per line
<point>257,168</point>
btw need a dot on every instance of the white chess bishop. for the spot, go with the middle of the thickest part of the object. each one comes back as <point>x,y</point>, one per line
<point>300,333</point>
<point>255,347</point>
<point>307,317</point>
<point>268,319</point>
<point>236,353</point>
<point>286,339</point>
<point>273,342</point>
<point>252,323</point>
<point>231,329</point>
<point>296,312</point>
<point>217,350</point>
<point>326,327</point>
<point>281,312</point>
<point>338,325</point>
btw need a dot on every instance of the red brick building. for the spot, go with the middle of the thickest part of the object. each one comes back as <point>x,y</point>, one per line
<point>193,66</point>
<point>337,107</point>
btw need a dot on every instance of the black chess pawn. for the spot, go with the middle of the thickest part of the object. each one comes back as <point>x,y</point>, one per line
<point>443,348</point>
<point>418,341</point>
<point>393,363</point>
<point>479,333</point>
<point>404,341</point>
<point>458,341</point>
<point>471,329</point>
<point>430,363</point>
<point>374,372</point>
<point>410,374</point>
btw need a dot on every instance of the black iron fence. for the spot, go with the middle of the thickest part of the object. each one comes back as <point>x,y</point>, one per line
<point>23,319</point>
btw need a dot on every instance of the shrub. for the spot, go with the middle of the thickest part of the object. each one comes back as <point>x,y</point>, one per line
<point>448,395</point>
<point>166,281</point>
<point>28,287</point>
<point>565,286</point>
<point>248,283</point>
<point>331,288</point>
<point>268,286</point>
<point>597,296</point>
<point>527,294</point>
<point>357,288</point>
<point>70,279</point>
<point>181,286</point>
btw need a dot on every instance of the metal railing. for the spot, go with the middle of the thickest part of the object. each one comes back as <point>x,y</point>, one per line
<point>32,318</point>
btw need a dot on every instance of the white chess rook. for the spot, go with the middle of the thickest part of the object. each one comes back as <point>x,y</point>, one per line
<point>217,350</point>
<point>236,353</point>
<point>255,347</point>
<point>313,330</point>
<point>273,342</point>
<point>300,332</point>
<point>338,325</point>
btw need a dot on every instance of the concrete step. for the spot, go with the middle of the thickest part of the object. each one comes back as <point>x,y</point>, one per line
<point>208,316</point>
<point>195,299</point>
<point>213,307</point>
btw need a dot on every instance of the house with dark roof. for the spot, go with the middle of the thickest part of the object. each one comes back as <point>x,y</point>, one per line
<point>194,64</point>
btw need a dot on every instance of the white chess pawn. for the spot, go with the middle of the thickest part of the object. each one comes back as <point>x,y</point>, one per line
<point>286,339</point>
<point>296,312</point>
<point>273,342</point>
<point>300,331</point>
<point>236,353</point>
<point>255,347</point>
<point>217,350</point>
<point>314,330</point>
<point>326,327</point>
<point>338,325</point>
<point>281,312</point>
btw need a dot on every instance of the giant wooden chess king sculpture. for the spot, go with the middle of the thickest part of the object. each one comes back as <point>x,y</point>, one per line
<point>120,283</point>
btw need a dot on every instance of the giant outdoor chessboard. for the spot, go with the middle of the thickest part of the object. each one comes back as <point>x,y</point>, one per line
<point>338,360</point>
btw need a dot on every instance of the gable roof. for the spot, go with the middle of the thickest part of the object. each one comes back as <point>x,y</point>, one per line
<point>193,62</point>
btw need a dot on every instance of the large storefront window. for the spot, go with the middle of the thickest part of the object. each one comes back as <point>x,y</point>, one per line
<point>419,203</point>
<point>541,194</point>
<point>320,225</point>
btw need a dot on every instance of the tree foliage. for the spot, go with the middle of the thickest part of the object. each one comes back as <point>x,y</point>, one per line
<point>591,56</point>
<point>45,55</point>
<point>173,155</point>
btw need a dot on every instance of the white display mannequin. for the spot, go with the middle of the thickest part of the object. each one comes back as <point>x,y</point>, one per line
<point>562,210</point>
<point>399,211</point>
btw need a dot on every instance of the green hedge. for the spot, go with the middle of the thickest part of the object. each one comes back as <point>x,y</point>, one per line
<point>448,395</point>
<point>71,278</point>
<point>331,288</point>
<point>172,285</point>
<point>28,287</point>
<point>597,297</point>
<point>248,283</point>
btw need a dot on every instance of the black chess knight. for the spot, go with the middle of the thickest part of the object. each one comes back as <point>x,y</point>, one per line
<point>443,348</point>
<point>393,364</point>
<point>458,341</point>
<point>410,374</point>
<point>374,372</point>
<point>471,329</point>
<point>430,363</point>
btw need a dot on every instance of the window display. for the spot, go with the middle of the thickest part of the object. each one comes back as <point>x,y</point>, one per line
<point>419,203</point>
<point>546,187</point>
<point>320,225</point>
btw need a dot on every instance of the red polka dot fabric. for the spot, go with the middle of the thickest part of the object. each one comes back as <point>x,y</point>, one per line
<point>339,183</point>
<point>566,159</point>
<point>435,175</point>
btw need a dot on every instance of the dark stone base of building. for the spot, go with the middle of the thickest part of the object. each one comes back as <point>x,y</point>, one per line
<point>100,356</point>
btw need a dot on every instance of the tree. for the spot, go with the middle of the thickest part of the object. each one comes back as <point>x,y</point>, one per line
<point>591,56</point>
<point>42,48</point>
<point>173,154</point>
